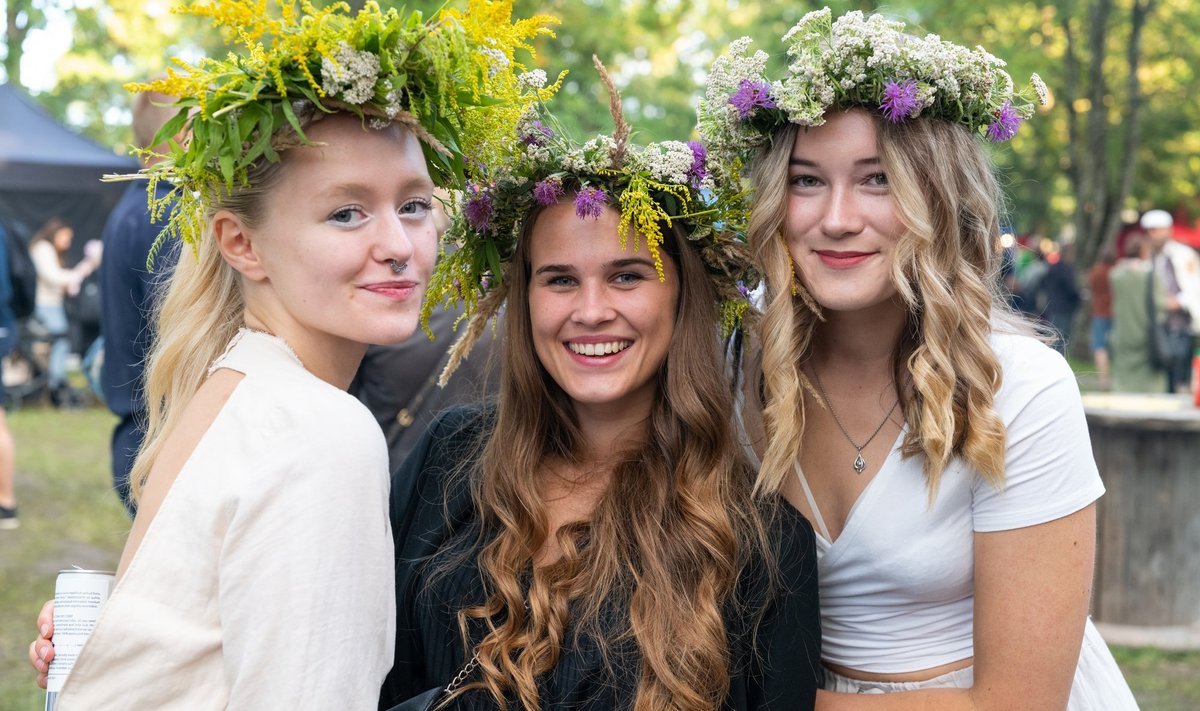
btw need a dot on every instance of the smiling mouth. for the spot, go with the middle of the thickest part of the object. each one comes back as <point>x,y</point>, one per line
<point>598,349</point>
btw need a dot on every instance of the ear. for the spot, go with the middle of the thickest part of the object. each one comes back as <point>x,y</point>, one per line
<point>237,245</point>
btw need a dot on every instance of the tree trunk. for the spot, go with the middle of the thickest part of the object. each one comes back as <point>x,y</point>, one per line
<point>14,41</point>
<point>1101,185</point>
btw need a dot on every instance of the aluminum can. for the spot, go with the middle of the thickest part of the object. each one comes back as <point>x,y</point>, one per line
<point>78,597</point>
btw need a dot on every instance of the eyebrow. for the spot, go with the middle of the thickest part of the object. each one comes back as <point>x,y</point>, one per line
<point>615,264</point>
<point>873,160</point>
<point>356,189</point>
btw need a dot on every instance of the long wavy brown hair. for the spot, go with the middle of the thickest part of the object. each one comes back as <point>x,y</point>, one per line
<point>946,271</point>
<point>666,542</point>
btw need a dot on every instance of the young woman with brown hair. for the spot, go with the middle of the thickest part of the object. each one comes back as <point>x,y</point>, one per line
<point>592,541</point>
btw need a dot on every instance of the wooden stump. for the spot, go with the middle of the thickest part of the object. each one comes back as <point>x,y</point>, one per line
<point>1147,448</point>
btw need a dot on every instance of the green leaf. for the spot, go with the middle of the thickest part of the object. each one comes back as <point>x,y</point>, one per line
<point>493,257</point>
<point>171,128</point>
<point>226,162</point>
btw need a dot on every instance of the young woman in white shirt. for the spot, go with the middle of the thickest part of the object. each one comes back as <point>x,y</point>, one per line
<point>937,445</point>
<point>259,570</point>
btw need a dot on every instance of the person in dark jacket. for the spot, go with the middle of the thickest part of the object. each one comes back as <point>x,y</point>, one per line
<point>8,338</point>
<point>1060,293</point>
<point>128,288</point>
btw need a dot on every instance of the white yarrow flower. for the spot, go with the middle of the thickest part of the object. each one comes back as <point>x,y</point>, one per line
<point>533,79</point>
<point>351,74</point>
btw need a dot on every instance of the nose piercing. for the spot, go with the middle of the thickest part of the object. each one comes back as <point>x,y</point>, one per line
<point>398,267</point>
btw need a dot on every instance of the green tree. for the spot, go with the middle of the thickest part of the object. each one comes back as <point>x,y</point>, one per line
<point>20,17</point>
<point>114,43</point>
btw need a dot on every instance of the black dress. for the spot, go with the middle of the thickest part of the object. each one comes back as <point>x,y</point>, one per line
<point>775,665</point>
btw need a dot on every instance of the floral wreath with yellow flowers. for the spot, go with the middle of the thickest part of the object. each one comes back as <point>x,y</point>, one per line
<point>652,186</point>
<point>451,79</point>
<point>859,61</point>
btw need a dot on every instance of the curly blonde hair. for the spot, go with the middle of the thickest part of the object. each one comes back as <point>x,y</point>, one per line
<point>666,543</point>
<point>946,272</point>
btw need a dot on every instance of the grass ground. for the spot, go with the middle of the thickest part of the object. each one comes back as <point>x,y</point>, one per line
<point>69,516</point>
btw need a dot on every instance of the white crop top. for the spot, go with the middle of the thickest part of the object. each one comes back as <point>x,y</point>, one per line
<point>897,587</point>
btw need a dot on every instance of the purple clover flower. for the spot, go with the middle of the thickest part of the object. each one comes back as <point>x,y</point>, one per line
<point>751,95</point>
<point>1008,121</point>
<point>536,134</point>
<point>547,192</point>
<point>479,208</point>
<point>590,202</point>
<point>899,100</point>
<point>698,172</point>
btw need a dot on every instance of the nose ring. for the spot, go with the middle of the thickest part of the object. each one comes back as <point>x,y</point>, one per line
<point>397,266</point>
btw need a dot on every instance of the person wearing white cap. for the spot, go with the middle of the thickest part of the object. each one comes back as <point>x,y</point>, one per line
<point>1179,268</point>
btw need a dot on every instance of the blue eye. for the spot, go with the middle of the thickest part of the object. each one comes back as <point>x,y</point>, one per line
<point>419,206</point>
<point>878,179</point>
<point>627,278</point>
<point>804,181</point>
<point>347,216</point>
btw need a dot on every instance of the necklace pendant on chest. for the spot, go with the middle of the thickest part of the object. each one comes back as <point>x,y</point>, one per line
<point>859,464</point>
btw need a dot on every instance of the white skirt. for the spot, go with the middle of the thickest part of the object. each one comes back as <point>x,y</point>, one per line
<point>1098,685</point>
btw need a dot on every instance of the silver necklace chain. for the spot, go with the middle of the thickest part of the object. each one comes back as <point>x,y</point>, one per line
<point>860,464</point>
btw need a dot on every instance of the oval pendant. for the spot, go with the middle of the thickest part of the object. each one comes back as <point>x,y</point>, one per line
<point>859,464</point>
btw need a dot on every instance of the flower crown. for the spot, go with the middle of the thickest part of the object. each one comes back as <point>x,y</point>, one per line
<point>449,79</point>
<point>864,61</point>
<point>652,186</point>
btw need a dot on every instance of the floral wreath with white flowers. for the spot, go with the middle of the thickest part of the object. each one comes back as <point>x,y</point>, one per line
<point>858,61</point>
<point>451,79</point>
<point>652,186</point>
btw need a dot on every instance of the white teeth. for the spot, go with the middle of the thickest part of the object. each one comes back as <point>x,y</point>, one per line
<point>598,349</point>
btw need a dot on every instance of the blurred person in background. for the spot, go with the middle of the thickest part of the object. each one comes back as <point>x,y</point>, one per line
<point>1102,317</point>
<point>48,249</point>
<point>1138,299</point>
<point>1059,290</point>
<point>8,337</point>
<point>1178,267</point>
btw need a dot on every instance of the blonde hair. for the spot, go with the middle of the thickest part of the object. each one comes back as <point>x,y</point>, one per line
<point>666,542</point>
<point>946,272</point>
<point>196,315</point>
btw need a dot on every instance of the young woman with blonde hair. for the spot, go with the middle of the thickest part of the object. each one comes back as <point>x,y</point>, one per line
<point>937,445</point>
<point>592,542</point>
<point>259,570</point>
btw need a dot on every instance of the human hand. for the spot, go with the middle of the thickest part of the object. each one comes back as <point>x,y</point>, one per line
<point>41,650</point>
<point>93,250</point>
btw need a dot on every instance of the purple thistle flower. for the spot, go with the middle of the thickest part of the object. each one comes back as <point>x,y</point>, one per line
<point>699,154</point>
<point>1008,121</point>
<point>742,289</point>
<point>899,100</point>
<point>751,95</point>
<point>536,134</point>
<point>479,208</point>
<point>547,192</point>
<point>590,202</point>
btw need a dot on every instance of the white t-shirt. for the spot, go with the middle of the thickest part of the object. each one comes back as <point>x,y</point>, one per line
<point>897,587</point>
<point>265,580</point>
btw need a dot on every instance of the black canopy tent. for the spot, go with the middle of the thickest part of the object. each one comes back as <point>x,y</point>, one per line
<point>47,170</point>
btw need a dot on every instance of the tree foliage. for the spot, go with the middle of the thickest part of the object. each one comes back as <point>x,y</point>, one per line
<point>1113,140</point>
